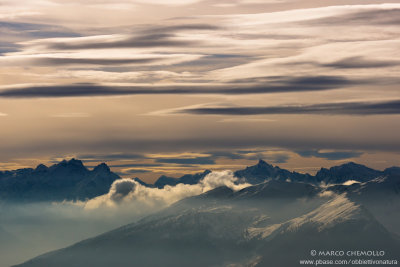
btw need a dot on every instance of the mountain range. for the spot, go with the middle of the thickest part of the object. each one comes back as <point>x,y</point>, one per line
<point>71,180</point>
<point>275,223</point>
<point>262,172</point>
<point>66,180</point>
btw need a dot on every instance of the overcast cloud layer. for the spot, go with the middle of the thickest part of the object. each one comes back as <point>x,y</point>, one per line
<point>172,79</point>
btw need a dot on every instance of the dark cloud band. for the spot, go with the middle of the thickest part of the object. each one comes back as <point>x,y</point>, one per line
<point>360,62</point>
<point>159,37</point>
<point>294,84</point>
<point>372,17</point>
<point>197,160</point>
<point>333,155</point>
<point>346,108</point>
<point>92,61</point>
<point>35,30</point>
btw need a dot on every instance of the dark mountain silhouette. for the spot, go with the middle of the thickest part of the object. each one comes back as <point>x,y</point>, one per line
<point>345,172</point>
<point>185,179</point>
<point>71,180</point>
<point>392,170</point>
<point>263,171</point>
<point>67,180</point>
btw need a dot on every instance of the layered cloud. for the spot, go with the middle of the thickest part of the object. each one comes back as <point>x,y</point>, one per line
<point>292,84</point>
<point>264,41</point>
<point>249,62</point>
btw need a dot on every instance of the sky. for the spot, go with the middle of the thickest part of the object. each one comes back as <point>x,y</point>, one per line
<point>168,87</point>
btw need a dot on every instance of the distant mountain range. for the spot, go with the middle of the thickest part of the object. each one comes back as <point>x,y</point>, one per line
<point>335,175</point>
<point>262,172</point>
<point>67,180</point>
<point>71,180</point>
<point>275,223</point>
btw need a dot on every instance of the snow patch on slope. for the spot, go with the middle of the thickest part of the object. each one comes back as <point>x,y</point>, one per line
<point>262,232</point>
<point>335,211</point>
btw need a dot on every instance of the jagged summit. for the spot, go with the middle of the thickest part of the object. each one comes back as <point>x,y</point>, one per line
<point>41,168</point>
<point>72,164</point>
<point>261,162</point>
<point>264,171</point>
<point>65,180</point>
<point>348,171</point>
<point>70,179</point>
<point>102,167</point>
<point>185,179</point>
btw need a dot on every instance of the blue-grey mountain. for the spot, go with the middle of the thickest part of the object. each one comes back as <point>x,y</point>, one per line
<point>71,180</point>
<point>256,226</point>
<point>67,180</point>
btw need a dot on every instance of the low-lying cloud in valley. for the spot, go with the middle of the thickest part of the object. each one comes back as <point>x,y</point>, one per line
<point>59,224</point>
<point>128,192</point>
